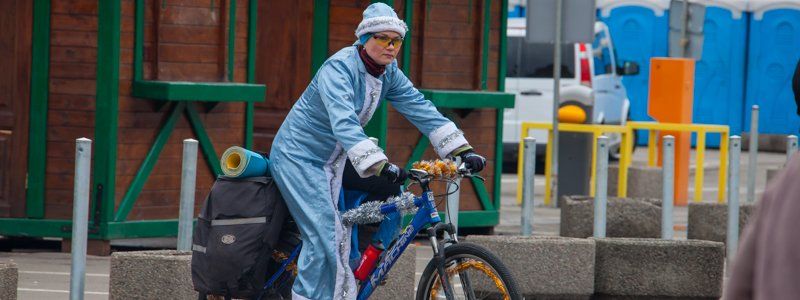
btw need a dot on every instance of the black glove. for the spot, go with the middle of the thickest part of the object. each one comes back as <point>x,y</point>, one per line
<point>473,161</point>
<point>394,173</point>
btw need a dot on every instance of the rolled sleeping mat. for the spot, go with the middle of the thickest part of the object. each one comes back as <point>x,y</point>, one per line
<point>239,162</point>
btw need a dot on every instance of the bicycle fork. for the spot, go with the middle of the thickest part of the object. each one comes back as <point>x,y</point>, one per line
<point>439,259</point>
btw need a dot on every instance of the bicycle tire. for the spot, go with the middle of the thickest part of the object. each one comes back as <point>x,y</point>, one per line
<point>463,252</point>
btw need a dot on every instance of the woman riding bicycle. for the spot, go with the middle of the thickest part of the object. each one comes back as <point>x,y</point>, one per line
<point>324,129</point>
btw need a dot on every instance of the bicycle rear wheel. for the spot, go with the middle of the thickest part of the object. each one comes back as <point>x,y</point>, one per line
<point>473,273</point>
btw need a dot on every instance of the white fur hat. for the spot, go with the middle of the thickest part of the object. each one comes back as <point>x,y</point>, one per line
<point>380,17</point>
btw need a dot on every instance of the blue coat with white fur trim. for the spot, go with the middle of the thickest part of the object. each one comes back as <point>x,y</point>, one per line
<point>323,129</point>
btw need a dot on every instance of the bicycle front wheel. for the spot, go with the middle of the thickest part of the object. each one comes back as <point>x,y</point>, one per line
<point>473,273</point>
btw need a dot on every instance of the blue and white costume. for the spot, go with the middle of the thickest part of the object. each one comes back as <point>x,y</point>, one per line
<point>323,129</point>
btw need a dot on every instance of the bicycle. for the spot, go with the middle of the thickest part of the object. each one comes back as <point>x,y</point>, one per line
<point>479,273</point>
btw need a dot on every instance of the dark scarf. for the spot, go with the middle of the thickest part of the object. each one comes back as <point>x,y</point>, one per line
<point>373,68</point>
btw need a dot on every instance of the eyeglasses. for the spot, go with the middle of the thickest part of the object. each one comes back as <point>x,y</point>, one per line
<point>385,41</point>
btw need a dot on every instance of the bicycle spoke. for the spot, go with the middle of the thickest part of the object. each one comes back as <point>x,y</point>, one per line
<point>466,286</point>
<point>484,283</point>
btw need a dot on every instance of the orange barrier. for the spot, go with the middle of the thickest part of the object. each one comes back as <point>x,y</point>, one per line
<point>671,95</point>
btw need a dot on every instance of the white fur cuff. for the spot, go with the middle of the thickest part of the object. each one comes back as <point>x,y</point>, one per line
<point>447,138</point>
<point>364,155</point>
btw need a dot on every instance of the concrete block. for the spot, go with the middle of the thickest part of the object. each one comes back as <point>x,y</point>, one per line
<point>400,281</point>
<point>625,217</point>
<point>546,267</point>
<point>771,173</point>
<point>651,268</point>
<point>709,221</point>
<point>8,280</point>
<point>162,274</point>
<point>643,181</point>
<point>766,142</point>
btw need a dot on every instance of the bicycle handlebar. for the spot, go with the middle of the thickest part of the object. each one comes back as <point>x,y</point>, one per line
<point>461,171</point>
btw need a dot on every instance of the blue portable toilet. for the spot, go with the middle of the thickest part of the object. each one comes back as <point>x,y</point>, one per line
<point>720,74</point>
<point>774,50</point>
<point>516,8</point>
<point>640,30</point>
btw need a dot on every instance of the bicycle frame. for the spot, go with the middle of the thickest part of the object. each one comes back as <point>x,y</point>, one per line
<point>426,215</point>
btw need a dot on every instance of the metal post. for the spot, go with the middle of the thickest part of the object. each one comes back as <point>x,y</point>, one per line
<point>188,180</point>
<point>601,190</point>
<point>528,181</point>
<point>752,151</point>
<point>668,182</point>
<point>733,196</point>
<point>791,147</point>
<point>80,217</point>
<point>556,101</point>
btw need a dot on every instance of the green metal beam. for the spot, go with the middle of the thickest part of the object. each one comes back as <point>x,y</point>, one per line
<point>469,99</point>
<point>478,218</point>
<point>487,24</point>
<point>377,126</point>
<point>252,31</point>
<point>419,150</point>
<point>498,157</point>
<point>149,162</point>
<point>251,70</point>
<point>199,91</point>
<point>501,70</point>
<point>483,195</point>
<point>319,36</point>
<point>470,218</point>
<point>36,227</point>
<point>138,40</point>
<point>104,165</point>
<point>205,142</point>
<point>40,89</point>
<point>409,19</point>
<point>231,39</point>
<point>143,229</point>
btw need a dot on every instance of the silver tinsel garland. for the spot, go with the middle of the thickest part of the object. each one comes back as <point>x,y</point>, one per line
<point>370,212</point>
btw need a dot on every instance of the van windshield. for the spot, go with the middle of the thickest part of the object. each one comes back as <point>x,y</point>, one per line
<point>530,60</point>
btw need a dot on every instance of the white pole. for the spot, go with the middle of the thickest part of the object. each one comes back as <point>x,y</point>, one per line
<point>791,147</point>
<point>667,230</point>
<point>733,195</point>
<point>601,188</point>
<point>528,181</point>
<point>752,151</point>
<point>188,180</point>
<point>80,217</point>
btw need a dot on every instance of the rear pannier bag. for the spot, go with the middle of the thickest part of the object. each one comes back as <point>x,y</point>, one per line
<point>238,228</point>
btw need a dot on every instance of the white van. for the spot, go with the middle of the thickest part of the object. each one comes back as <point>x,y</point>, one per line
<point>590,72</point>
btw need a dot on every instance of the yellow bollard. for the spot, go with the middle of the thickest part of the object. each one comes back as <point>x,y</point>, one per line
<point>700,147</point>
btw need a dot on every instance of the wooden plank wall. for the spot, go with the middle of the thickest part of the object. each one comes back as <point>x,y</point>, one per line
<point>446,54</point>
<point>71,103</point>
<point>184,41</point>
<point>344,18</point>
<point>283,63</point>
<point>15,60</point>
